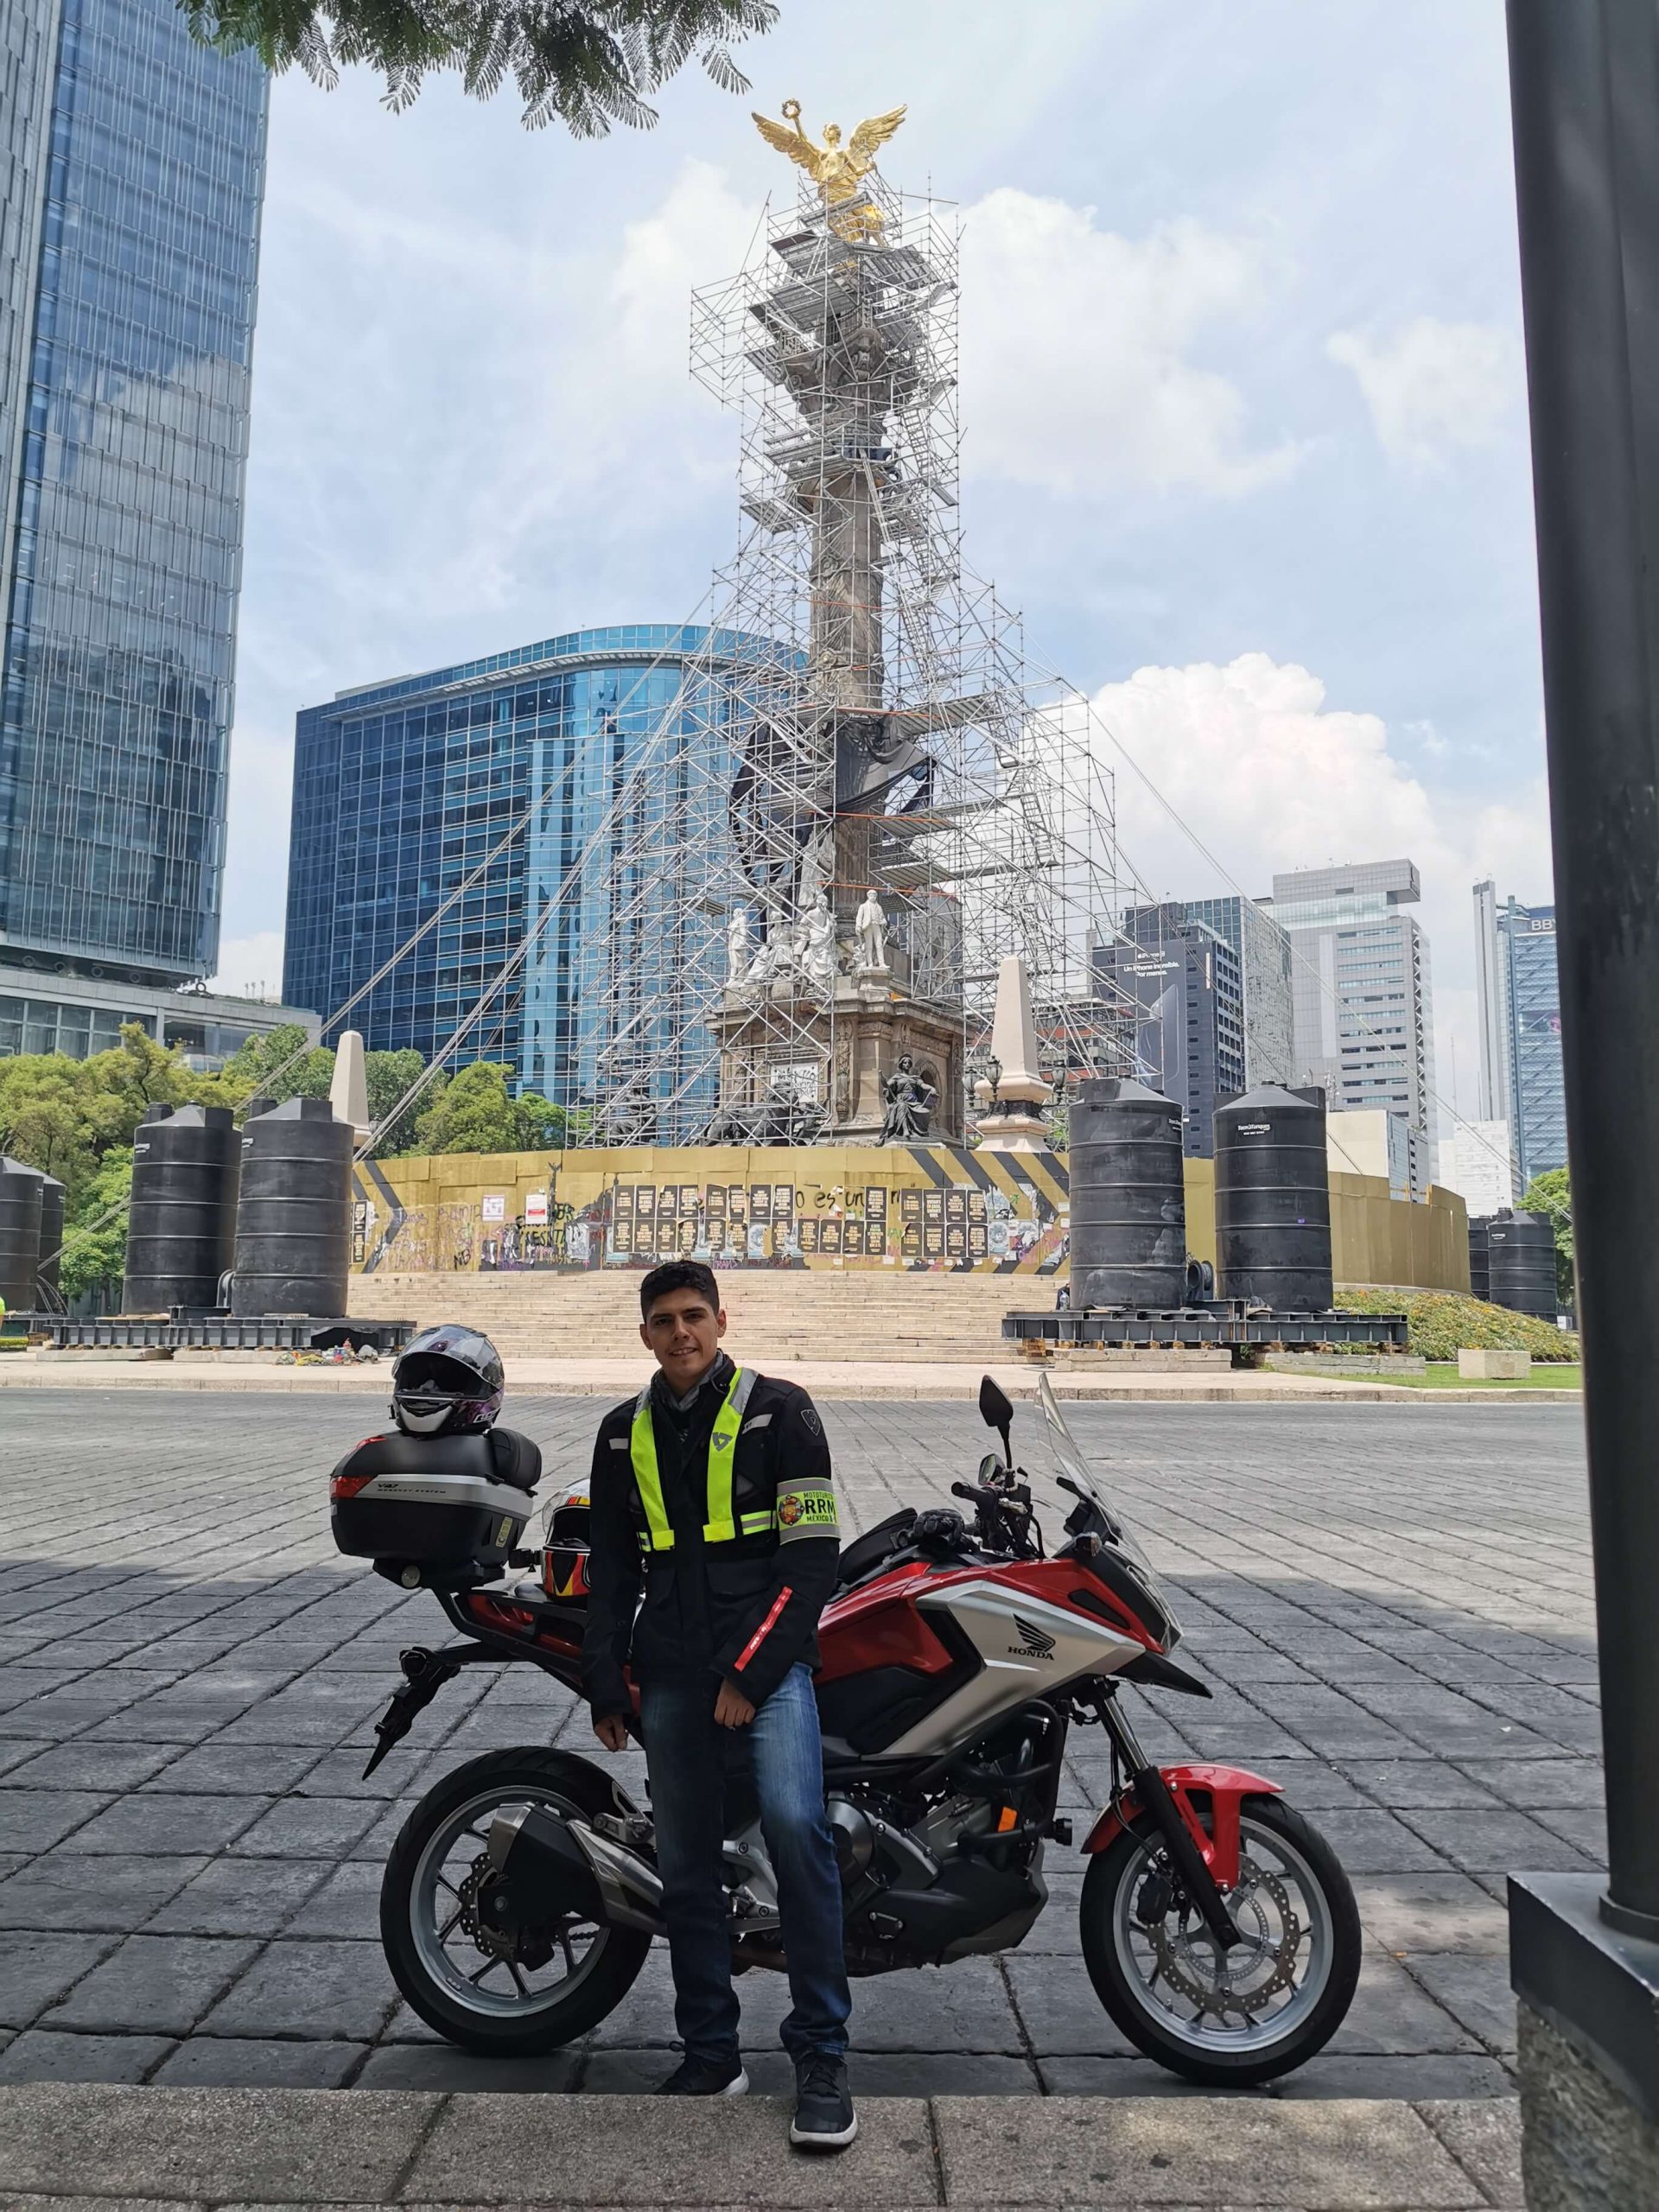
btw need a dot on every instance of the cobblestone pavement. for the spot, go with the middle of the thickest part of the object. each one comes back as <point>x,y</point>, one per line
<point>1392,1606</point>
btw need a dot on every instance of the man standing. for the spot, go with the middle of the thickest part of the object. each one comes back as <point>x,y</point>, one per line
<point>714,1483</point>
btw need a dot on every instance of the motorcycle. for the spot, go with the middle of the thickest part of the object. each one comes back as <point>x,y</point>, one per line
<point>522,1895</point>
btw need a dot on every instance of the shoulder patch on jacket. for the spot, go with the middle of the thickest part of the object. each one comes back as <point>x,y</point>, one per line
<point>807,1510</point>
<point>810,1415</point>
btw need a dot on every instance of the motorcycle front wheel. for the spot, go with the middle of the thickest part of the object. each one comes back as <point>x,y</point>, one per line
<point>549,1984</point>
<point>1225,2017</point>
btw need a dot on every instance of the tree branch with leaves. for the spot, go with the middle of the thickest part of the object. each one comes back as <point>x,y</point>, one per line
<point>588,63</point>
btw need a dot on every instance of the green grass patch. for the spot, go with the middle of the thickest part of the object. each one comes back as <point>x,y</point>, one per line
<point>1442,1322</point>
<point>1443,1376</point>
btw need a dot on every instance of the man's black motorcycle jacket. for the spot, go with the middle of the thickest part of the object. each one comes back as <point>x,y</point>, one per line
<point>725,1508</point>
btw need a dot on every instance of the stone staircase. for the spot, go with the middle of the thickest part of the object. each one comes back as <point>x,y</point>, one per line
<point>773,1314</point>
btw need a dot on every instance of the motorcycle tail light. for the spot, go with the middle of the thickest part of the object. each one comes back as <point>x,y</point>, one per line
<point>498,1612</point>
<point>344,1486</point>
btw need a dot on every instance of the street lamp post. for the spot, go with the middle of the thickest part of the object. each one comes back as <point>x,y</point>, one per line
<point>1585,80</point>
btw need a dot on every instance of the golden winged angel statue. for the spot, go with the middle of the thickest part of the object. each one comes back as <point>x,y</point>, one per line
<point>837,170</point>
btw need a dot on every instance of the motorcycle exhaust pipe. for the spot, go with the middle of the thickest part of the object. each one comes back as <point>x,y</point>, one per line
<point>565,1865</point>
<point>537,1857</point>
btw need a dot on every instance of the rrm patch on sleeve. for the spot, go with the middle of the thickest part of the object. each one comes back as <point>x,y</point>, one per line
<point>807,1513</point>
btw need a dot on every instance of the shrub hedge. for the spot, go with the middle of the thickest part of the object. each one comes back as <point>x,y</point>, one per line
<point>1440,1324</point>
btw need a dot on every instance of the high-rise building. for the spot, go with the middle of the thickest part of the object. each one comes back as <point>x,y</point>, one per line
<point>1518,1010</point>
<point>1364,1026</point>
<point>1185,983</point>
<point>131,173</point>
<point>406,790</point>
<point>1262,951</point>
<point>1482,1169</point>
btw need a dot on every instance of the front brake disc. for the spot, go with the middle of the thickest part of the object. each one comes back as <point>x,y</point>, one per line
<point>1213,1991</point>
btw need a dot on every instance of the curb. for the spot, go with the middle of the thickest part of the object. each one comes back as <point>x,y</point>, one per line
<point>75,2144</point>
<point>956,1383</point>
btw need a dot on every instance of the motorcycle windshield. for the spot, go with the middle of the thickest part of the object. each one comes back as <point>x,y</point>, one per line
<point>1069,1455</point>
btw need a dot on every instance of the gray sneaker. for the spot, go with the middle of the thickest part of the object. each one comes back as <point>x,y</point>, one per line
<point>699,2077</point>
<point>824,2118</point>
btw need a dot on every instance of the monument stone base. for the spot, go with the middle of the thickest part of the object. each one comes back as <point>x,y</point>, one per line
<point>1589,2048</point>
<point>839,1052</point>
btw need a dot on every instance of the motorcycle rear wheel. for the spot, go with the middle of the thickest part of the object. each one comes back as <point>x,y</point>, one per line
<point>517,2015</point>
<point>1296,1911</point>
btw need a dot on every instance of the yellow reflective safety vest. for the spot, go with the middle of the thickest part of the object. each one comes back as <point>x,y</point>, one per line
<point>722,1525</point>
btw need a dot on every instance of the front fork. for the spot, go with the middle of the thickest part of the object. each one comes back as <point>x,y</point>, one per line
<point>1153,1792</point>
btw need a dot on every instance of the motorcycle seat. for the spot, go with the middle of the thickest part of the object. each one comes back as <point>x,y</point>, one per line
<point>867,1553</point>
<point>515,1460</point>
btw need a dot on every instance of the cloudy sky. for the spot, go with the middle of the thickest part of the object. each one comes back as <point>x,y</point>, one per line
<point>1241,391</point>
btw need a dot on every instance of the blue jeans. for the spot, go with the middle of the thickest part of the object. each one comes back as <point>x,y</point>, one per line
<point>686,1752</point>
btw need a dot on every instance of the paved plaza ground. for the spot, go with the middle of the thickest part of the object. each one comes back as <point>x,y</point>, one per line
<point>1391,1602</point>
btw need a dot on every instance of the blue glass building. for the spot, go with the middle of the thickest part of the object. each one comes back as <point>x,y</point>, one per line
<point>1518,1007</point>
<point>130,206</point>
<point>516,777</point>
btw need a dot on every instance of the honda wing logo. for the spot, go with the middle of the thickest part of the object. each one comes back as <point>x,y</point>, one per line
<point>1037,1642</point>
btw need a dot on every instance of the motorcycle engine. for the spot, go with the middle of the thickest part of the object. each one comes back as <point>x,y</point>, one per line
<point>855,1838</point>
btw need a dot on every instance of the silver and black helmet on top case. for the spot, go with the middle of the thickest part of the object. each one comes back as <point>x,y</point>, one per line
<point>446,1382</point>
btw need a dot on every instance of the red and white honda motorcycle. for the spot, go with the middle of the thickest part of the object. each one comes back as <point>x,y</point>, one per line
<point>522,1895</point>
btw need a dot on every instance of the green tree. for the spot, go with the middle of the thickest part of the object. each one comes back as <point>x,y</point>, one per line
<point>589,62</point>
<point>387,1076</point>
<point>477,1113</point>
<point>542,1126</point>
<point>1549,1198</point>
<point>474,1114</point>
<point>64,1115</point>
<point>95,1248</point>
<point>44,1120</point>
<point>280,1064</point>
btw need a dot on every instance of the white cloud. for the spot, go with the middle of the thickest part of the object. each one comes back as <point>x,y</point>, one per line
<point>251,966</point>
<point>1076,345</point>
<point>1432,386</point>
<point>1269,777</point>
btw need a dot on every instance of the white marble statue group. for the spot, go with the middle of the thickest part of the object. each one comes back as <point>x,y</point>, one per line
<point>804,952</point>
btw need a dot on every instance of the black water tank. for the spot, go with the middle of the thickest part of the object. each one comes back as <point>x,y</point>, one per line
<point>1273,1202</point>
<point>1128,1203</point>
<point>1480,1273</point>
<point>20,1234</point>
<point>184,1161</point>
<point>293,1219</point>
<point>52,1198</point>
<point>1522,1262</point>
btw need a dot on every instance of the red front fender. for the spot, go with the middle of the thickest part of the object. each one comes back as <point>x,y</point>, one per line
<point>1222,1785</point>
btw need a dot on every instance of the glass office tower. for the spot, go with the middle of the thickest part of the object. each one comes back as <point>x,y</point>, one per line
<point>1518,999</point>
<point>405,791</point>
<point>1186,985</point>
<point>29,42</point>
<point>1262,951</point>
<point>129,242</point>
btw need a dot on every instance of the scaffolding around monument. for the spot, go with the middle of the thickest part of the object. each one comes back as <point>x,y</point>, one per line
<point>883,802</point>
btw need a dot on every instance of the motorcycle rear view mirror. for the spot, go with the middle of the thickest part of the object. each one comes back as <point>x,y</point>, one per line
<point>996,1411</point>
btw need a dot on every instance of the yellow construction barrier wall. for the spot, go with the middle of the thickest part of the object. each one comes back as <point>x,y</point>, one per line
<point>1374,1238</point>
<point>937,1207</point>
